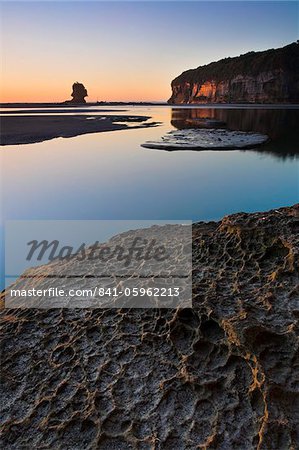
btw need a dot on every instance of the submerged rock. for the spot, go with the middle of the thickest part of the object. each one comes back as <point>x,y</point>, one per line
<point>222,375</point>
<point>207,139</point>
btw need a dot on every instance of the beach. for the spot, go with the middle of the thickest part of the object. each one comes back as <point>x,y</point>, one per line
<point>149,231</point>
<point>16,130</point>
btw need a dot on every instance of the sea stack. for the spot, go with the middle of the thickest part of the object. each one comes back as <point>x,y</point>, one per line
<point>79,93</point>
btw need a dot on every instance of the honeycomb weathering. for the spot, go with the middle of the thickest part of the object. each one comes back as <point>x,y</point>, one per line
<point>223,375</point>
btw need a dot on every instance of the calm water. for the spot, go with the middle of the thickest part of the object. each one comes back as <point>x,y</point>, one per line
<point>109,176</point>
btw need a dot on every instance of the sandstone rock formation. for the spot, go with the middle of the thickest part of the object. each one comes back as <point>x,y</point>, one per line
<point>271,76</point>
<point>79,93</point>
<point>222,375</point>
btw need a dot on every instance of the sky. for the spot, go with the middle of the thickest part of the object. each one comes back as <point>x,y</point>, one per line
<point>128,51</point>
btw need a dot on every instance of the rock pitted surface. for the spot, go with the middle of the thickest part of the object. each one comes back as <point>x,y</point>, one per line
<point>222,375</point>
<point>263,77</point>
<point>211,139</point>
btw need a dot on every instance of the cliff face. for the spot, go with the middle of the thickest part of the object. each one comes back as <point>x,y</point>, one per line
<point>271,76</point>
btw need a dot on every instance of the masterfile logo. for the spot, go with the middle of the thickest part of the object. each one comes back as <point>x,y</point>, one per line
<point>98,264</point>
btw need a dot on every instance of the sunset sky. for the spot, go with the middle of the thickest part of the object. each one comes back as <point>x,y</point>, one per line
<point>128,50</point>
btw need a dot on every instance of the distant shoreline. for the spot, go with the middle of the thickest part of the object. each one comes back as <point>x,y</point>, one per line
<point>181,105</point>
<point>81,105</point>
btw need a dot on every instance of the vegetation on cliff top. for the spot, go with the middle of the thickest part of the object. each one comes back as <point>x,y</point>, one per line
<point>251,63</point>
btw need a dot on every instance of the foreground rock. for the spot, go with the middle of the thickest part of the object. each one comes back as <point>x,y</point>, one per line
<point>223,375</point>
<point>270,76</point>
<point>212,139</point>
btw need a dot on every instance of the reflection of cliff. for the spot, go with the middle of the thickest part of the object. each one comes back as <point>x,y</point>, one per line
<point>267,121</point>
<point>279,124</point>
<point>271,76</point>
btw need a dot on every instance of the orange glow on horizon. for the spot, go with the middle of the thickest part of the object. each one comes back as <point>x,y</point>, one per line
<point>127,51</point>
<point>18,91</point>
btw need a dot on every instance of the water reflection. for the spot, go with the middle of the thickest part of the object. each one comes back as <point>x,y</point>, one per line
<point>110,176</point>
<point>281,125</point>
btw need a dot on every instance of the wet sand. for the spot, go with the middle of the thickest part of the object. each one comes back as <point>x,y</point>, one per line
<point>29,129</point>
<point>61,111</point>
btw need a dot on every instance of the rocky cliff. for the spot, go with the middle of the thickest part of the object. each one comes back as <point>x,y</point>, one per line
<point>271,76</point>
<point>222,375</point>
